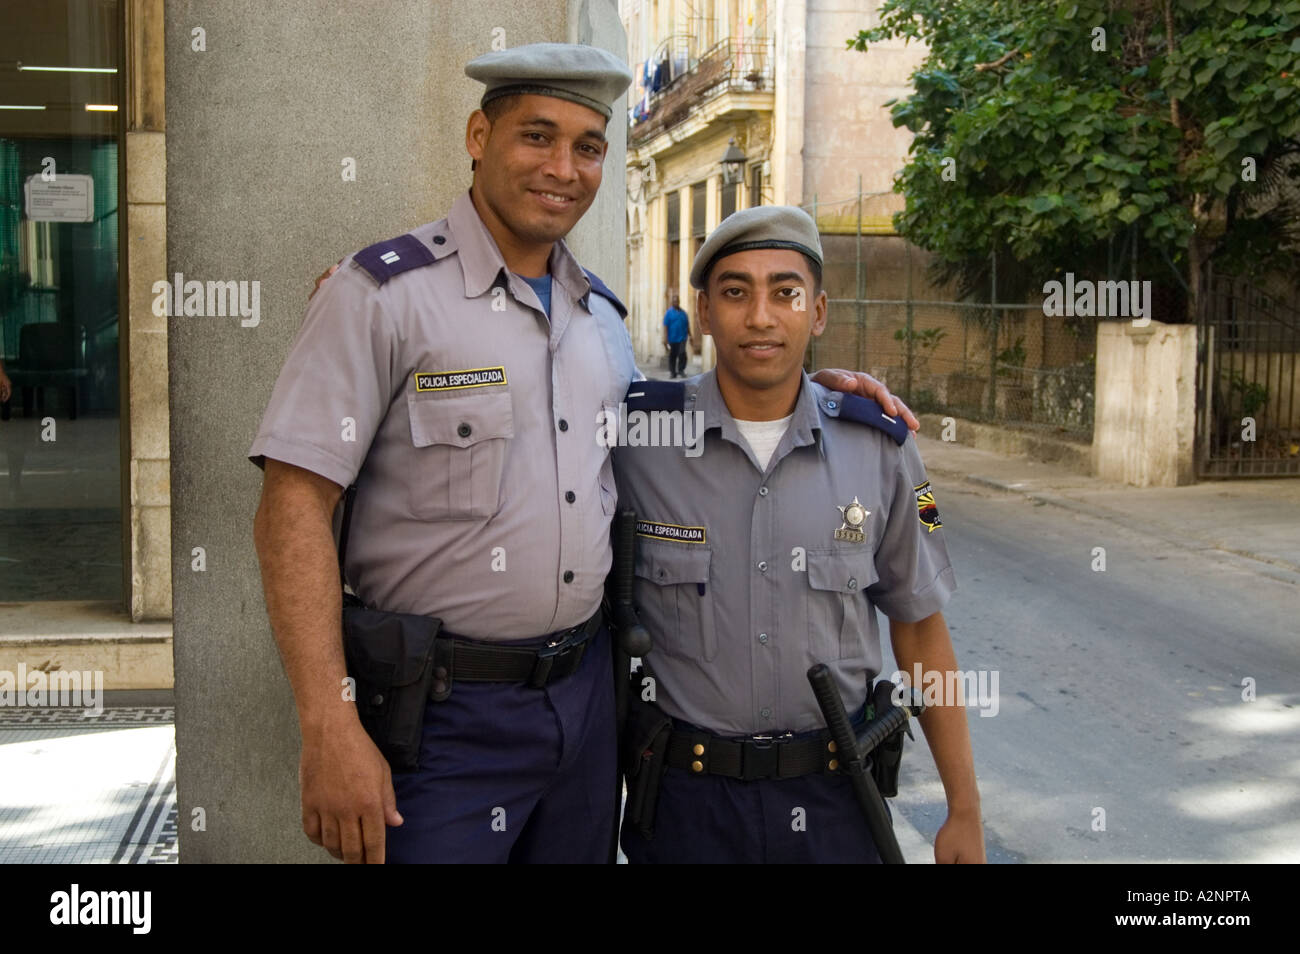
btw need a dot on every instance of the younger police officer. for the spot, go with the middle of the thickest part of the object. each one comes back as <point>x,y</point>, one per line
<point>768,552</point>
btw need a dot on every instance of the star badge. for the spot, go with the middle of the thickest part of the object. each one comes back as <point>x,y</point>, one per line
<point>854,516</point>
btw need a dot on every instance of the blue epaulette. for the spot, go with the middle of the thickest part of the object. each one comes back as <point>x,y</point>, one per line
<point>601,289</point>
<point>383,260</point>
<point>866,411</point>
<point>656,396</point>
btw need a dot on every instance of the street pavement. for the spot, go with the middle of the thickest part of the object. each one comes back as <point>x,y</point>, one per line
<point>1122,731</point>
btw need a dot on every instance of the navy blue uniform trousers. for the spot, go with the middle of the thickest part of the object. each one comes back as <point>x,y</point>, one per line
<point>709,819</point>
<point>509,773</point>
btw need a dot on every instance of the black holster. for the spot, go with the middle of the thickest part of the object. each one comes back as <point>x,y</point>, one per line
<point>887,757</point>
<point>390,656</point>
<point>643,755</point>
<point>885,763</point>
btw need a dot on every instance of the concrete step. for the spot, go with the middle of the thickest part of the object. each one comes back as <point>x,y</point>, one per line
<point>1042,445</point>
<point>86,636</point>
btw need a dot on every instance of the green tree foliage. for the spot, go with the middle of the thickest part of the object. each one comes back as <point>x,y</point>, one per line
<point>1063,156</point>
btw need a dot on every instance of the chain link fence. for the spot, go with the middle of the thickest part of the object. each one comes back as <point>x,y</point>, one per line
<point>996,361</point>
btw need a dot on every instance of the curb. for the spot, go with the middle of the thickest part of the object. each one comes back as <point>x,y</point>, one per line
<point>1291,571</point>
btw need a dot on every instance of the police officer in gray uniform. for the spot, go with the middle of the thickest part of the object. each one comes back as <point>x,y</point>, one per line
<point>453,374</point>
<point>762,553</point>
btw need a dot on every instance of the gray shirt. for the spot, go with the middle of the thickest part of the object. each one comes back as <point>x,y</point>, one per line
<point>466,418</point>
<point>741,579</point>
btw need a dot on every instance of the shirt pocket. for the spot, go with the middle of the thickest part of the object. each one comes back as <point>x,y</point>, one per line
<point>837,602</point>
<point>458,447</point>
<point>675,593</point>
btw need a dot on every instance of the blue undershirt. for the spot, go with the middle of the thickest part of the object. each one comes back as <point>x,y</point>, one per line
<point>542,286</point>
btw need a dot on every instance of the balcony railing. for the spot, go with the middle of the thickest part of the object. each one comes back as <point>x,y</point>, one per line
<point>734,64</point>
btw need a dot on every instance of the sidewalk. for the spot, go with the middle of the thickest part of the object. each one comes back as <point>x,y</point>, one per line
<point>87,789</point>
<point>1254,518</point>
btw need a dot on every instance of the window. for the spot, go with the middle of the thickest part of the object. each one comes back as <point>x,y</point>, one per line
<point>699,210</point>
<point>755,185</point>
<point>60,500</point>
<point>729,198</point>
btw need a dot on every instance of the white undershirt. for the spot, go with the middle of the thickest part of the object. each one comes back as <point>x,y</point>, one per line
<point>763,436</point>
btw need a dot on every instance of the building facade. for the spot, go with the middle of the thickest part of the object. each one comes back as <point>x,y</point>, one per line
<point>772,86</point>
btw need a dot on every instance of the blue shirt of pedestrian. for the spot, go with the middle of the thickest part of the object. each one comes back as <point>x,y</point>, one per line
<point>678,325</point>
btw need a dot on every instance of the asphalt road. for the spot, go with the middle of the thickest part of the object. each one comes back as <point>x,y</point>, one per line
<point>1119,690</point>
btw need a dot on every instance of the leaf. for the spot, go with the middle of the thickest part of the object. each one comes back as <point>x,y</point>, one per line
<point>1128,214</point>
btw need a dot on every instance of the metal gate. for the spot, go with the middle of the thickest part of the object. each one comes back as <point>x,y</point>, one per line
<point>1248,382</point>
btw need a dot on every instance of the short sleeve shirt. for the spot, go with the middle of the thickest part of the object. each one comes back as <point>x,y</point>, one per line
<point>677,324</point>
<point>741,577</point>
<point>467,420</point>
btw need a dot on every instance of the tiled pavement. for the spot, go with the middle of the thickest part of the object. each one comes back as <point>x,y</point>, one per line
<point>79,788</point>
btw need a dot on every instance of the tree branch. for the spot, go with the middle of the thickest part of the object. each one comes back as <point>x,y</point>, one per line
<point>994,64</point>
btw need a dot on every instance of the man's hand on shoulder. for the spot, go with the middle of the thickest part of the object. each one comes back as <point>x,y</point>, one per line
<point>861,383</point>
<point>324,276</point>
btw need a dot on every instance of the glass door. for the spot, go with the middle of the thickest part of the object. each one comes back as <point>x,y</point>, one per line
<point>60,458</point>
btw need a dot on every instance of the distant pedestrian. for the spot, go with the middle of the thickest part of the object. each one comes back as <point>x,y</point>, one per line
<point>677,328</point>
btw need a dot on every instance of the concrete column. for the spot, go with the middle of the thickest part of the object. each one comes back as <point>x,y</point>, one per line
<point>1145,412</point>
<point>686,244</point>
<point>712,218</point>
<point>657,243</point>
<point>144,333</point>
<point>266,104</point>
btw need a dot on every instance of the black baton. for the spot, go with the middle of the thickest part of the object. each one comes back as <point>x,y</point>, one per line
<point>851,761</point>
<point>630,639</point>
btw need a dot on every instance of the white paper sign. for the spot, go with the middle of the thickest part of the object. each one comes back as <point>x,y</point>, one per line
<point>68,198</point>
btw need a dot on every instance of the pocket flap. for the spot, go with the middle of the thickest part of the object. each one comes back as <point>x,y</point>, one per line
<point>841,571</point>
<point>461,421</point>
<point>667,564</point>
<point>387,649</point>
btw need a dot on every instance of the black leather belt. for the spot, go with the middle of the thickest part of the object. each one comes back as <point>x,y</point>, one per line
<point>757,757</point>
<point>457,659</point>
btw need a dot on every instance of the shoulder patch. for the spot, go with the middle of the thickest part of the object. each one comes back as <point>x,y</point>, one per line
<point>656,396</point>
<point>866,411</point>
<point>601,289</point>
<point>383,260</point>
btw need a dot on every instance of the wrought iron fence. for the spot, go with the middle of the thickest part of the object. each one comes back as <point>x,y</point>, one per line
<point>993,360</point>
<point>1248,382</point>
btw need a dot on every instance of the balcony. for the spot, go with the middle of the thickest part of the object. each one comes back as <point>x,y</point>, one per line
<point>735,65</point>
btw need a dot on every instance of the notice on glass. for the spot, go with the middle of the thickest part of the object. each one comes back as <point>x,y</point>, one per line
<point>65,198</point>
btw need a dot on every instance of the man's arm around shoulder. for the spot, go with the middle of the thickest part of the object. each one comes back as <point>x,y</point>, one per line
<point>347,786</point>
<point>927,643</point>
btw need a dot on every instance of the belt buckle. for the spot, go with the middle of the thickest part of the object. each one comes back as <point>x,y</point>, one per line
<point>759,756</point>
<point>552,651</point>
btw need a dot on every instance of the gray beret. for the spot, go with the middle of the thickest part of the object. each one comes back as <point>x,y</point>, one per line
<point>763,226</point>
<point>581,74</point>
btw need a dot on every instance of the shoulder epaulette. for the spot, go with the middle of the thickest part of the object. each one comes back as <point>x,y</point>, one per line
<point>383,260</point>
<point>866,411</point>
<point>656,396</point>
<point>601,289</point>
